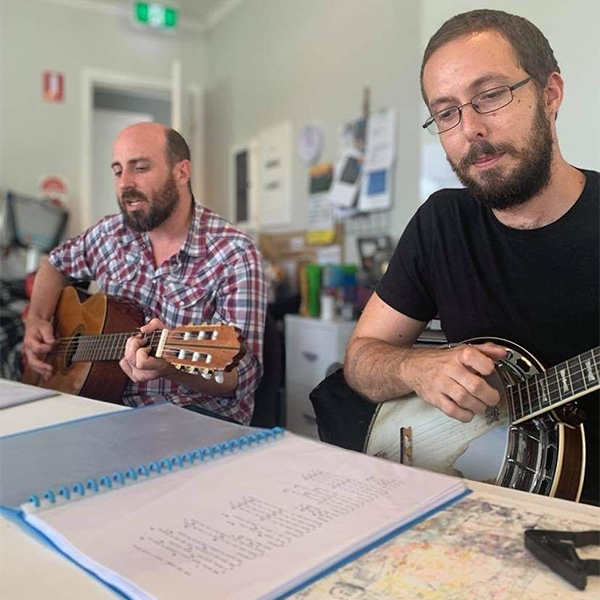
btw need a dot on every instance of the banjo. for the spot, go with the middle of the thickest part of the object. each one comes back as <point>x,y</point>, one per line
<point>532,440</point>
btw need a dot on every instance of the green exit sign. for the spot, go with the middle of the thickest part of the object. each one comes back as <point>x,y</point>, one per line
<point>155,15</point>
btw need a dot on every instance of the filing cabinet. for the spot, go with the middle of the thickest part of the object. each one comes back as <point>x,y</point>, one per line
<point>311,347</point>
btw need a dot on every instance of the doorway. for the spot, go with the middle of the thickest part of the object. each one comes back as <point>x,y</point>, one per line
<point>113,111</point>
<point>110,102</point>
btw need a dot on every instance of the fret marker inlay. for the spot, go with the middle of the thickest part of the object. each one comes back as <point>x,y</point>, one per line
<point>590,371</point>
<point>565,382</point>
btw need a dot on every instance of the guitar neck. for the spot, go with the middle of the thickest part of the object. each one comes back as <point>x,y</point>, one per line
<point>556,386</point>
<point>102,347</point>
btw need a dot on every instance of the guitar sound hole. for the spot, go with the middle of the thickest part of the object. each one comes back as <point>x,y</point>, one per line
<point>71,350</point>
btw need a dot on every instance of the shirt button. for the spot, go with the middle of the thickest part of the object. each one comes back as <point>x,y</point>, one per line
<point>181,303</point>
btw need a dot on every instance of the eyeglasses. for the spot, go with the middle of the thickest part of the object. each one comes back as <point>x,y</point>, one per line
<point>485,102</point>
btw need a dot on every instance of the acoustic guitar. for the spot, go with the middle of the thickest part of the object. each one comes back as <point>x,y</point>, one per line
<point>91,333</point>
<point>533,440</point>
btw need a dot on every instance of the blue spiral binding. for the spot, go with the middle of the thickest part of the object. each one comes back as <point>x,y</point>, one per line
<point>158,467</point>
<point>130,474</point>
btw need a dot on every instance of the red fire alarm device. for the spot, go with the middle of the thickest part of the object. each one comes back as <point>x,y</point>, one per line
<point>53,86</point>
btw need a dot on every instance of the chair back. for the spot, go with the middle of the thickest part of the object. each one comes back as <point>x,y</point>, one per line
<point>268,398</point>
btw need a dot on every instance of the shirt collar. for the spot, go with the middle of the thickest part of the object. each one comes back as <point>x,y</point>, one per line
<point>195,242</point>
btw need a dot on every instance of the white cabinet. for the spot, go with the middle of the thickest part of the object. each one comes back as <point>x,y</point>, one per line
<point>311,347</point>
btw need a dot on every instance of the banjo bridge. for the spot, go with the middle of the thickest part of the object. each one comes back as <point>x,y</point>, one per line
<point>406,447</point>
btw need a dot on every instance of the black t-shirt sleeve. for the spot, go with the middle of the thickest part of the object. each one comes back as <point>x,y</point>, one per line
<point>406,285</point>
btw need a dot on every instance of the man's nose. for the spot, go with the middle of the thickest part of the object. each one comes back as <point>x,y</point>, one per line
<point>126,181</point>
<point>474,124</point>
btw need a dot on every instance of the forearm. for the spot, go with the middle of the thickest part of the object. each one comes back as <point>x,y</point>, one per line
<point>376,369</point>
<point>47,288</point>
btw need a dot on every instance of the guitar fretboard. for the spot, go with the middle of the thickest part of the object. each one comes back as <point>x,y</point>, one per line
<point>109,346</point>
<point>555,386</point>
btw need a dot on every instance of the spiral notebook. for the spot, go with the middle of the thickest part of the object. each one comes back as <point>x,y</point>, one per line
<point>65,453</point>
<point>254,517</point>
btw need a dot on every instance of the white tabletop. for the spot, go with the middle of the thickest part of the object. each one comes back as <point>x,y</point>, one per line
<point>30,569</point>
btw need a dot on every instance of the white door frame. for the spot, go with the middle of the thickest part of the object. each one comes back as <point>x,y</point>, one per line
<point>91,78</point>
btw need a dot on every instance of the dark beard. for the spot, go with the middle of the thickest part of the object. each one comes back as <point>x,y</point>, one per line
<point>161,207</point>
<point>532,174</point>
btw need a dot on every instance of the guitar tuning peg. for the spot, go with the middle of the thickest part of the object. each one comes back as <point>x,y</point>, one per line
<point>206,374</point>
<point>191,370</point>
<point>219,378</point>
<point>178,367</point>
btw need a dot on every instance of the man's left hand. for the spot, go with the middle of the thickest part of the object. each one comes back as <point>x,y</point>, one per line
<point>137,363</point>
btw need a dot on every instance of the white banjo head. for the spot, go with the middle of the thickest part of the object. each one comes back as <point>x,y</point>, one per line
<point>415,433</point>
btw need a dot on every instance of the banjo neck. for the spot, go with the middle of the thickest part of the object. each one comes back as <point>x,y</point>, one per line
<point>554,387</point>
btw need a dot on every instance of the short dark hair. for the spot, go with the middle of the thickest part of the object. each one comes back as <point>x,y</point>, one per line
<point>532,49</point>
<point>177,149</point>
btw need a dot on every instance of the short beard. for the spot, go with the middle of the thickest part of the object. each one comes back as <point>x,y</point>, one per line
<point>531,175</point>
<point>161,207</point>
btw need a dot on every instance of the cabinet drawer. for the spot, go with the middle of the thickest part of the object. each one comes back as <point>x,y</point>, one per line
<point>312,347</point>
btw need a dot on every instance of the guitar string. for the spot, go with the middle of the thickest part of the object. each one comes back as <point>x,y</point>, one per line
<point>577,377</point>
<point>173,332</point>
<point>125,333</point>
<point>101,348</point>
<point>102,340</point>
<point>554,386</point>
<point>173,336</point>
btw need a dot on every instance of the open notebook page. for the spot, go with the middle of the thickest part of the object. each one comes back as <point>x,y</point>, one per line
<point>254,524</point>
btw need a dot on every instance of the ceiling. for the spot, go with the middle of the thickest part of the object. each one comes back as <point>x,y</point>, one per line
<point>198,14</point>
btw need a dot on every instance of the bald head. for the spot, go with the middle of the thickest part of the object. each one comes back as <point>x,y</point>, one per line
<point>153,138</point>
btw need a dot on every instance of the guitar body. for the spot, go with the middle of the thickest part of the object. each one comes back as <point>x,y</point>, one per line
<point>78,314</point>
<point>543,454</point>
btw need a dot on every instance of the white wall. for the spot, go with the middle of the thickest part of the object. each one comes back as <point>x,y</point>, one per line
<point>38,138</point>
<point>267,61</point>
<point>308,61</point>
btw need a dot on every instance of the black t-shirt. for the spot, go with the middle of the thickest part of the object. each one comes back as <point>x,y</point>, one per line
<point>536,287</point>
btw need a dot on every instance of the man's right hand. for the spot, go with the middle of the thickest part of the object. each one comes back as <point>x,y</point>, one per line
<point>38,341</point>
<point>453,379</point>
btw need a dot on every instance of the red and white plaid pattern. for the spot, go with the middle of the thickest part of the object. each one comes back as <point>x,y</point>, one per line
<point>216,276</point>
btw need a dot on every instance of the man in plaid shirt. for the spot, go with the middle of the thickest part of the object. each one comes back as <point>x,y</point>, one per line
<point>179,261</point>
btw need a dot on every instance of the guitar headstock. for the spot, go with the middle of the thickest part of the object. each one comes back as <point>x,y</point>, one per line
<point>205,349</point>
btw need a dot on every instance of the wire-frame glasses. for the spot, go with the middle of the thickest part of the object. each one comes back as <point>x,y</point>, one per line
<point>484,102</point>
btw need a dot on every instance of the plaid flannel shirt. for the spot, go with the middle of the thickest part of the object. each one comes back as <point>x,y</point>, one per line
<point>216,276</point>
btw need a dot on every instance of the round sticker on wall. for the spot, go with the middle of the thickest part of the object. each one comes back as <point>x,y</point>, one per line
<point>54,189</point>
<point>310,143</point>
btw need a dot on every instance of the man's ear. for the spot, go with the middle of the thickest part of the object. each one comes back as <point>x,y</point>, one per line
<point>553,93</point>
<point>182,172</point>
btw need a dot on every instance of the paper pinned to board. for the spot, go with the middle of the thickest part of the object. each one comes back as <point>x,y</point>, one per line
<point>346,180</point>
<point>380,151</point>
<point>320,220</point>
<point>380,156</point>
<point>376,190</point>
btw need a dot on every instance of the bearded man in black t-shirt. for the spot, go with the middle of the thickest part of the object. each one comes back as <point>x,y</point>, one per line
<point>515,255</point>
